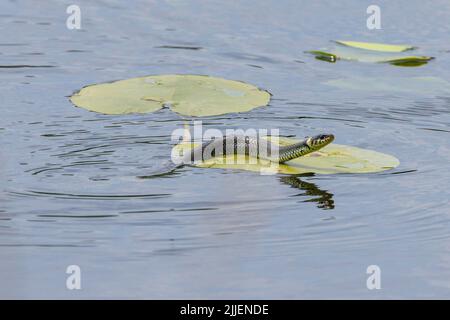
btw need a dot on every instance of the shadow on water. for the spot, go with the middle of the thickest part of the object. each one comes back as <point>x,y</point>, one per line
<point>322,198</point>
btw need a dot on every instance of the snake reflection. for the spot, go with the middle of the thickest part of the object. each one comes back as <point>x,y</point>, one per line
<point>323,198</point>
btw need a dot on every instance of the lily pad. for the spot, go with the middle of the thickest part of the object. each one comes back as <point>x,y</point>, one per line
<point>371,52</point>
<point>411,61</point>
<point>191,95</point>
<point>332,159</point>
<point>376,46</point>
<point>322,55</point>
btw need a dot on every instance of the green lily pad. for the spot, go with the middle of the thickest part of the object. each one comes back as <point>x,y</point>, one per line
<point>375,46</point>
<point>332,159</point>
<point>322,55</point>
<point>411,61</point>
<point>370,52</point>
<point>191,95</point>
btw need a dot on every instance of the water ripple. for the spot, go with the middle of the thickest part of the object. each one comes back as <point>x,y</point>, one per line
<point>61,195</point>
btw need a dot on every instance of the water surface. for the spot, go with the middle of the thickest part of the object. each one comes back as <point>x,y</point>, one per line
<point>69,193</point>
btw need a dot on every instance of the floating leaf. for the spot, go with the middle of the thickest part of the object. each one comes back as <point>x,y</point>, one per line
<point>376,46</point>
<point>384,54</point>
<point>191,95</point>
<point>322,55</point>
<point>334,158</point>
<point>411,61</point>
<point>414,85</point>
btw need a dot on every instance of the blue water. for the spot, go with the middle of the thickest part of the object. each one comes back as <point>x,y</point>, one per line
<point>69,193</point>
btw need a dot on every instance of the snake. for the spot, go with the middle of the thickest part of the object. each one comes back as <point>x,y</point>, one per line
<point>246,145</point>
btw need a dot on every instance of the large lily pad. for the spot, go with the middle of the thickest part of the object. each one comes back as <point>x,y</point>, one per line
<point>334,158</point>
<point>191,95</point>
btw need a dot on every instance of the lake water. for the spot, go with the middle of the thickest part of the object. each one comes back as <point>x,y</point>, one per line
<point>69,193</point>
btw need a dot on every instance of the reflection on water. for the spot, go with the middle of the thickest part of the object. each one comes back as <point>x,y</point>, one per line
<point>70,195</point>
<point>323,198</point>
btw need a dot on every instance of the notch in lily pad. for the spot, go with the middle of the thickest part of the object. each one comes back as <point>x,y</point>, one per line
<point>190,95</point>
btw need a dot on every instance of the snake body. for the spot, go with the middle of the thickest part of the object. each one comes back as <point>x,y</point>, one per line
<point>252,146</point>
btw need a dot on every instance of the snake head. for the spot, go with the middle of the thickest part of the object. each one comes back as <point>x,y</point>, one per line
<point>319,141</point>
